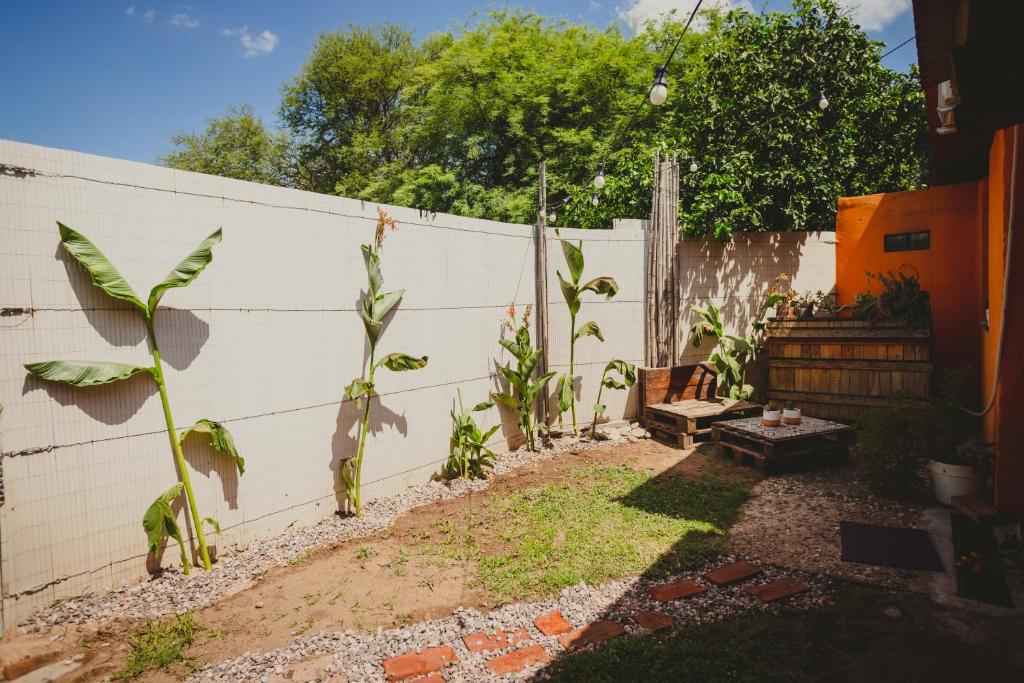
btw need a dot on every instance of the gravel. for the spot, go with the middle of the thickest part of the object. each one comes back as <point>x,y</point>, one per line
<point>357,655</point>
<point>173,592</point>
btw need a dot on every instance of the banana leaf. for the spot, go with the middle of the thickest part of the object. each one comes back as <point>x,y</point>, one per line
<point>85,373</point>
<point>101,271</point>
<point>220,439</point>
<point>374,278</point>
<point>589,329</point>
<point>573,258</point>
<point>571,294</point>
<point>602,285</point>
<point>159,520</point>
<point>186,271</point>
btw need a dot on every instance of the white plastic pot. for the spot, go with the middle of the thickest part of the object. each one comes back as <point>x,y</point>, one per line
<point>955,480</point>
<point>791,416</point>
<point>771,418</point>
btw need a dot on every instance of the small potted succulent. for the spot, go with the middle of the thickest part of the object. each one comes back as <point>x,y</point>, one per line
<point>961,472</point>
<point>791,414</point>
<point>772,416</point>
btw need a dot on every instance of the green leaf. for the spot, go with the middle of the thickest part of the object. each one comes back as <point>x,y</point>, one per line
<point>101,271</point>
<point>383,303</point>
<point>483,405</point>
<point>627,370</point>
<point>213,523</point>
<point>589,329</point>
<point>220,439</point>
<point>159,519</point>
<point>571,294</point>
<point>374,278</point>
<point>186,271</point>
<point>565,393</point>
<point>599,408</point>
<point>85,373</point>
<point>602,285</point>
<point>489,433</point>
<point>573,258</point>
<point>358,388</point>
<point>397,362</point>
<point>506,400</point>
<point>373,327</point>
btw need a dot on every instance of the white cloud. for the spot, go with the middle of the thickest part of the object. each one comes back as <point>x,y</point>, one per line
<point>130,11</point>
<point>260,44</point>
<point>636,13</point>
<point>873,15</point>
<point>185,21</point>
<point>148,17</point>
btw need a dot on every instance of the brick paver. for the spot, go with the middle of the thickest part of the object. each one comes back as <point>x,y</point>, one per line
<point>517,660</point>
<point>777,590</point>
<point>732,573</point>
<point>667,592</point>
<point>653,621</point>
<point>592,634</point>
<point>483,642</point>
<point>552,623</point>
<point>406,666</point>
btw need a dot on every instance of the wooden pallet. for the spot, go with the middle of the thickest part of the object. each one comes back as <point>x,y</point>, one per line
<point>747,440</point>
<point>684,421</point>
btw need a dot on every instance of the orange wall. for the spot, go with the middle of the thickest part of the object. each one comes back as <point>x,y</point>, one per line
<point>963,272</point>
<point>949,270</point>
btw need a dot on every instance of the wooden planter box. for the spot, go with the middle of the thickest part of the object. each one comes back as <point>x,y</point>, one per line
<point>836,368</point>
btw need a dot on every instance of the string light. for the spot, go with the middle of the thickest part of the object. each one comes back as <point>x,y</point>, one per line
<point>822,100</point>
<point>552,217</point>
<point>594,200</point>
<point>659,91</point>
<point>599,177</point>
<point>693,165</point>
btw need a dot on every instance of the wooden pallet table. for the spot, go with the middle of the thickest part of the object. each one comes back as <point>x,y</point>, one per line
<point>683,421</point>
<point>748,440</point>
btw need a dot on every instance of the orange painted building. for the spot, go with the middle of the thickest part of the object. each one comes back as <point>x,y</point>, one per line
<point>967,52</point>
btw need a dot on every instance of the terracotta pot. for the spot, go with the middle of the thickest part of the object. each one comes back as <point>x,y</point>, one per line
<point>771,418</point>
<point>791,416</point>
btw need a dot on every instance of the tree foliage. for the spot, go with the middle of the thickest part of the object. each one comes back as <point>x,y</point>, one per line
<point>459,121</point>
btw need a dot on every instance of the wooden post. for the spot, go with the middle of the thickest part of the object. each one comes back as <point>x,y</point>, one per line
<point>542,287</point>
<point>651,337</point>
<point>663,300</point>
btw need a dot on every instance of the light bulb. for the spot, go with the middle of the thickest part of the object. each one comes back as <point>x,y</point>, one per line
<point>599,178</point>
<point>693,166</point>
<point>659,91</point>
<point>823,101</point>
<point>594,200</point>
<point>552,217</point>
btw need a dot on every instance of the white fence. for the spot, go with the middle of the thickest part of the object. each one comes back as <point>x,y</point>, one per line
<point>265,341</point>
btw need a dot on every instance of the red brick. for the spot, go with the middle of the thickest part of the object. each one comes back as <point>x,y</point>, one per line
<point>517,660</point>
<point>732,573</point>
<point>777,590</point>
<point>552,623</point>
<point>406,666</point>
<point>653,621</point>
<point>481,642</point>
<point>593,634</point>
<point>667,592</point>
<point>22,666</point>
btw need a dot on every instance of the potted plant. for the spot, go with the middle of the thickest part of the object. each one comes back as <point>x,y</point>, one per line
<point>791,414</point>
<point>772,416</point>
<point>963,471</point>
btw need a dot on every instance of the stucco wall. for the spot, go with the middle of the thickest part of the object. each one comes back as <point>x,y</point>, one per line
<point>265,341</point>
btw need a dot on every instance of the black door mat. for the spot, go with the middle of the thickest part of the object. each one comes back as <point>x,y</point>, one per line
<point>978,574</point>
<point>888,546</point>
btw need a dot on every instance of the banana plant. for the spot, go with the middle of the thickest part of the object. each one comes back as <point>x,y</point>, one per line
<point>376,304</point>
<point>733,353</point>
<point>573,292</point>
<point>80,373</point>
<point>628,373</point>
<point>523,390</point>
<point>469,454</point>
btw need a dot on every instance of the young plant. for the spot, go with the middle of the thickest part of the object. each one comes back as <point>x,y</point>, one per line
<point>469,452</point>
<point>80,373</point>
<point>733,353</point>
<point>628,372</point>
<point>523,392</point>
<point>573,291</point>
<point>376,305</point>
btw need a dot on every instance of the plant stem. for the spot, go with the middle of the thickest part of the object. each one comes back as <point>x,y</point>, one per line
<point>358,493</point>
<point>179,457</point>
<point>600,388</point>
<point>572,370</point>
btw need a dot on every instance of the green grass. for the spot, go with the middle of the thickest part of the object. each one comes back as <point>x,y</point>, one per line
<point>158,644</point>
<point>606,521</point>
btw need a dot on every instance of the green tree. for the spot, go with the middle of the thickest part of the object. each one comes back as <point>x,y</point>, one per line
<point>236,145</point>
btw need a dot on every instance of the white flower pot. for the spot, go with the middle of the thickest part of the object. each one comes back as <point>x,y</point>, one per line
<point>956,480</point>
<point>771,418</point>
<point>791,416</point>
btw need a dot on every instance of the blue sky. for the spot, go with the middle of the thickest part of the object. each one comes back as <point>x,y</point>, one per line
<point>119,77</point>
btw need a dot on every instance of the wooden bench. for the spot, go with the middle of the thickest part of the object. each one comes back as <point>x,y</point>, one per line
<point>679,403</point>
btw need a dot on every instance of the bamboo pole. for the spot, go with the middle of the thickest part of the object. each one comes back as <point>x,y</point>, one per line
<point>541,244</point>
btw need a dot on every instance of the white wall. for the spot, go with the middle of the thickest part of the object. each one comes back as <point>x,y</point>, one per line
<point>264,340</point>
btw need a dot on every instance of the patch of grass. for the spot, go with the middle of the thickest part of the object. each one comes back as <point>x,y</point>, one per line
<point>158,644</point>
<point>398,563</point>
<point>606,521</point>
<point>300,558</point>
